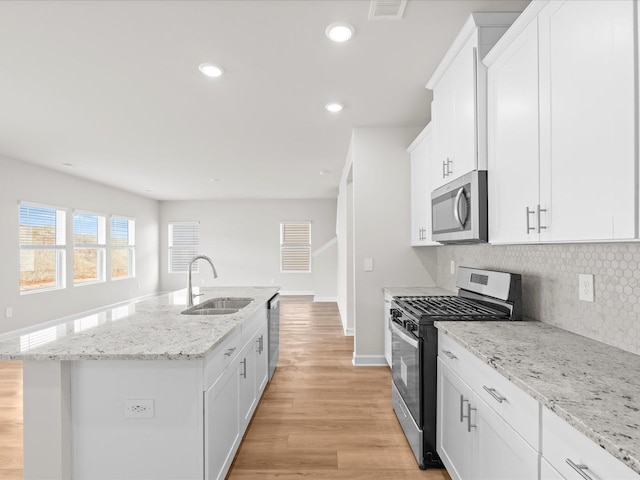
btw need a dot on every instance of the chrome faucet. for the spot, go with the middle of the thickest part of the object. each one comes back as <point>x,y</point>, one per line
<point>190,294</point>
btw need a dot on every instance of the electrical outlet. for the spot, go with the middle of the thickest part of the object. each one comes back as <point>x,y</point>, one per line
<point>138,408</point>
<point>8,312</point>
<point>453,267</point>
<point>585,287</point>
<point>368,264</point>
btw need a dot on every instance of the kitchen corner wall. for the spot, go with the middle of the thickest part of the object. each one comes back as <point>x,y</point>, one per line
<point>550,284</point>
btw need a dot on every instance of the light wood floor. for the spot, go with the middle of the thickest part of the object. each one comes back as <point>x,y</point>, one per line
<point>320,417</point>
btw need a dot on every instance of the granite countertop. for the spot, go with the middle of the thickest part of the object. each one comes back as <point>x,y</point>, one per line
<point>592,386</point>
<point>416,291</point>
<point>151,329</point>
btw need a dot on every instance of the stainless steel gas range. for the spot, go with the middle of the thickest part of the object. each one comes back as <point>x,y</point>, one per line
<point>483,295</point>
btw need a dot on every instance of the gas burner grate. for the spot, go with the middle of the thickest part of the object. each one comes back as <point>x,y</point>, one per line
<point>451,308</point>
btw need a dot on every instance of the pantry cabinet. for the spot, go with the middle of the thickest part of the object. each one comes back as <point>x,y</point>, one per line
<point>561,125</point>
<point>421,153</point>
<point>459,98</point>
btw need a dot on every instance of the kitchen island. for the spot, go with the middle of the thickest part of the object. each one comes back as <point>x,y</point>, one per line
<point>593,387</point>
<point>140,390</point>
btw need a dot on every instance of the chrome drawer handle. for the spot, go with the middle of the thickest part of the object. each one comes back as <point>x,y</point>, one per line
<point>469,410</point>
<point>462,401</point>
<point>449,354</point>
<point>530,212</point>
<point>229,352</point>
<point>494,394</point>
<point>580,469</point>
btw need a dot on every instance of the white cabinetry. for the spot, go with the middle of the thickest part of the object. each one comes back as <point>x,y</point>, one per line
<point>421,152</point>
<point>485,428</point>
<point>262,359</point>
<point>571,455</point>
<point>459,98</point>
<point>562,168</point>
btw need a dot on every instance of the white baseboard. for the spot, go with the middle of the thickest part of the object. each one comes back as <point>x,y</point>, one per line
<point>325,299</point>
<point>369,360</point>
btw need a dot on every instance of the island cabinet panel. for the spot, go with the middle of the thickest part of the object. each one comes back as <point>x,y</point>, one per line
<point>114,439</point>
<point>261,344</point>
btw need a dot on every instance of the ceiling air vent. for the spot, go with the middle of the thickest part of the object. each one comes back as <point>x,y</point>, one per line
<point>387,9</point>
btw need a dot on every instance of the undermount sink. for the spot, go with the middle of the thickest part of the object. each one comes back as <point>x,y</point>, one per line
<point>219,306</point>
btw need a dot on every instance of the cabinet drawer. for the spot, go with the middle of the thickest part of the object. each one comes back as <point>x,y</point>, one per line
<point>561,444</point>
<point>517,408</point>
<point>221,357</point>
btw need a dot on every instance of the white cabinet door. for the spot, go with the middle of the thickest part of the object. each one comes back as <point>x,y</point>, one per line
<point>222,424</point>
<point>500,453</point>
<point>247,375</point>
<point>587,108</point>
<point>454,443</point>
<point>262,360</point>
<point>421,152</point>
<point>513,141</point>
<point>547,472</point>
<point>442,121</point>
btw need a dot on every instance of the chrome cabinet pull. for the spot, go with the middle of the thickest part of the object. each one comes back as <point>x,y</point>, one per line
<point>530,212</point>
<point>444,169</point>
<point>469,410</point>
<point>462,402</point>
<point>449,171</point>
<point>492,391</point>
<point>244,370</point>
<point>229,352</point>
<point>540,210</point>
<point>449,354</point>
<point>580,469</point>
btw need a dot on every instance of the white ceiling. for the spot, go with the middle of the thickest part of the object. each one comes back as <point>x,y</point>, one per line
<point>113,88</point>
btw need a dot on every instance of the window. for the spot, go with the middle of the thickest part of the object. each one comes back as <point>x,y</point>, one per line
<point>123,242</point>
<point>89,247</point>
<point>184,242</point>
<point>42,247</point>
<point>295,247</point>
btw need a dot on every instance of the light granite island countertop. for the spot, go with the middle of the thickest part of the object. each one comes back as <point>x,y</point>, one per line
<point>150,329</point>
<point>139,390</point>
<point>592,386</point>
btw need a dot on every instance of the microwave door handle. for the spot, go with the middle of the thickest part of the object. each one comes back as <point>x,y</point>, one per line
<point>456,207</point>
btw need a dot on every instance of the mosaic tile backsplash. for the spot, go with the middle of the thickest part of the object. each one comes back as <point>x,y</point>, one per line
<point>550,284</point>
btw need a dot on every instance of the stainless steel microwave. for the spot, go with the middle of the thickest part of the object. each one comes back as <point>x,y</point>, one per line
<point>459,210</point>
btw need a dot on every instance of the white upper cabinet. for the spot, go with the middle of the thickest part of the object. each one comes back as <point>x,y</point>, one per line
<point>561,125</point>
<point>459,98</point>
<point>421,152</point>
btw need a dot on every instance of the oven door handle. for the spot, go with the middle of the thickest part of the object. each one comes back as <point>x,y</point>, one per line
<point>410,339</point>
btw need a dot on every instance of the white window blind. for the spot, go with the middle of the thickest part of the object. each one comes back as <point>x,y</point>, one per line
<point>42,247</point>
<point>89,242</point>
<point>123,245</point>
<point>184,243</point>
<point>295,247</point>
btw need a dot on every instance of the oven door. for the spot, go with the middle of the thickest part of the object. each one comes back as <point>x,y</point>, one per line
<point>406,351</point>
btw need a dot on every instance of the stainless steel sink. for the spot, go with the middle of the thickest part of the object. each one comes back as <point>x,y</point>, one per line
<point>219,306</point>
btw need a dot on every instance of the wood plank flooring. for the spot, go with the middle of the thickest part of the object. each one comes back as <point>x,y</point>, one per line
<point>320,418</point>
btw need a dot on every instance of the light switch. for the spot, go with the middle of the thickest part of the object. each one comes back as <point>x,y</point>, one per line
<point>368,264</point>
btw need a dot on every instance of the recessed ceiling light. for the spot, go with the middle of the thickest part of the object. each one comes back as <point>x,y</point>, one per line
<point>339,32</point>
<point>211,70</point>
<point>334,107</point>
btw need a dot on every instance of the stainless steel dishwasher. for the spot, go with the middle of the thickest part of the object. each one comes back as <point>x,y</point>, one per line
<point>273,315</point>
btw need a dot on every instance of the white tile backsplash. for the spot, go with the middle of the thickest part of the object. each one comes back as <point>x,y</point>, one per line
<point>550,284</point>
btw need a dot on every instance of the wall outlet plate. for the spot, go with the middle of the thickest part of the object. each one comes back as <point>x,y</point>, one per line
<point>453,267</point>
<point>138,408</point>
<point>585,287</point>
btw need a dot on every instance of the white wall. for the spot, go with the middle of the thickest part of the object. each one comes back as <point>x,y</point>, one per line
<point>381,231</point>
<point>243,239</point>
<point>344,231</point>
<point>26,182</point>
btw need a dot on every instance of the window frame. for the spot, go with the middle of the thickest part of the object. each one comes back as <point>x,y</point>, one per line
<point>285,246</point>
<point>60,246</point>
<point>171,247</point>
<point>100,247</point>
<point>130,246</point>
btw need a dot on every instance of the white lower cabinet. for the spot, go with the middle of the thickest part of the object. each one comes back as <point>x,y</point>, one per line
<point>547,472</point>
<point>262,359</point>
<point>473,441</point>
<point>247,374</point>
<point>575,456</point>
<point>222,423</point>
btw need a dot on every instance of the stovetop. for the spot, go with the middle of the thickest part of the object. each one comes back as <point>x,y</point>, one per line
<point>441,308</point>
